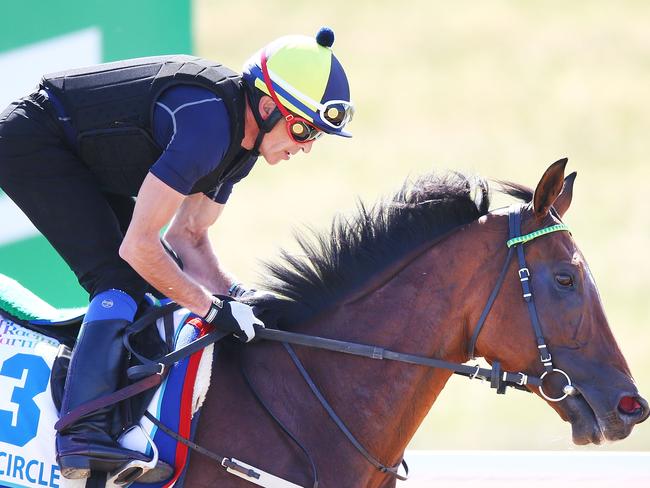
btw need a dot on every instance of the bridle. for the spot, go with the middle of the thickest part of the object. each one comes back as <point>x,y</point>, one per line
<point>516,242</point>
<point>497,378</point>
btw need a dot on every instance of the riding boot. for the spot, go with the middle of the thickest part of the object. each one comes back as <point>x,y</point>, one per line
<point>97,362</point>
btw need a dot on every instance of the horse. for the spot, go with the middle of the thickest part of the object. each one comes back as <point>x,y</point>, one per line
<point>413,274</point>
<point>427,273</point>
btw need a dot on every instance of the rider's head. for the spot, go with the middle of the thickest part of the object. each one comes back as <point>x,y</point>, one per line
<point>304,82</point>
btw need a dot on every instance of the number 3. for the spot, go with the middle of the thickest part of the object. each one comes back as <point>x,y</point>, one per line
<point>36,379</point>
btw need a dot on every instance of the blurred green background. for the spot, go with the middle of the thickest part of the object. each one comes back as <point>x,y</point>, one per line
<point>501,88</point>
<point>58,36</point>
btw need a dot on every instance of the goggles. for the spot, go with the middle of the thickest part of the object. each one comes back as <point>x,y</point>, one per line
<point>299,129</point>
<point>335,113</point>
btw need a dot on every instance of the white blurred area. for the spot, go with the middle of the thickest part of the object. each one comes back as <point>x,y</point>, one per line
<point>21,70</point>
<point>23,67</point>
<point>530,469</point>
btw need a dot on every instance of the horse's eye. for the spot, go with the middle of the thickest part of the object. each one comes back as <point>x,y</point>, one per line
<point>564,280</point>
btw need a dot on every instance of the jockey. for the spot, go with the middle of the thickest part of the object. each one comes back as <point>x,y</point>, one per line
<point>177,132</point>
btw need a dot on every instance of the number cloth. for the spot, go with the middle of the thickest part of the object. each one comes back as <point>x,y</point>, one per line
<point>27,413</point>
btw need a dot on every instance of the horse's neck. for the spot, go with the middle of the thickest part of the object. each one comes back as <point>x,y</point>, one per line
<point>422,309</point>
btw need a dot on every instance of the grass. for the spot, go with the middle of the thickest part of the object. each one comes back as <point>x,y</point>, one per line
<point>502,88</point>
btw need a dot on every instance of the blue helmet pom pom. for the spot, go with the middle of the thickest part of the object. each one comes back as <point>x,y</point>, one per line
<point>325,37</point>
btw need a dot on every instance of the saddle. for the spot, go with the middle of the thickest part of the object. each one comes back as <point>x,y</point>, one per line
<point>22,309</point>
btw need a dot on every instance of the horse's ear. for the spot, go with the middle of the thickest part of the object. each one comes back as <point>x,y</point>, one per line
<point>563,201</point>
<point>549,188</point>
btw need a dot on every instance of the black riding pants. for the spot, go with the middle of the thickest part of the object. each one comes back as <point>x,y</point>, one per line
<point>52,186</point>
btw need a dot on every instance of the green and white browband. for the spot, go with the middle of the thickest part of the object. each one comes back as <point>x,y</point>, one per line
<point>529,237</point>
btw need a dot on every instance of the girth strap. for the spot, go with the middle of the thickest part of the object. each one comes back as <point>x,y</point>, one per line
<point>223,461</point>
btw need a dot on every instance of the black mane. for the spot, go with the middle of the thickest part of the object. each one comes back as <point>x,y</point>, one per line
<point>520,192</point>
<point>333,265</point>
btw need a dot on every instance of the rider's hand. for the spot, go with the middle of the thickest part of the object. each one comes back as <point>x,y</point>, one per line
<point>239,292</point>
<point>233,316</point>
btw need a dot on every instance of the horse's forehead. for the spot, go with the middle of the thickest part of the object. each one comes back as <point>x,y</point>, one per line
<point>567,250</point>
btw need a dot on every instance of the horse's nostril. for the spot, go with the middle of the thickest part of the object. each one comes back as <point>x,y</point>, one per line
<point>629,405</point>
<point>633,406</point>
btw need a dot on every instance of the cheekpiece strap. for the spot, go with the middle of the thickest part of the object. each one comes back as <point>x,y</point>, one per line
<point>524,277</point>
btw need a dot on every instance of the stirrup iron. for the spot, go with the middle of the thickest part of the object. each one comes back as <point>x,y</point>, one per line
<point>152,471</point>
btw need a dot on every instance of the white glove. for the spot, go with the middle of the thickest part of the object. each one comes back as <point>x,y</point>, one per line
<point>233,316</point>
<point>246,320</point>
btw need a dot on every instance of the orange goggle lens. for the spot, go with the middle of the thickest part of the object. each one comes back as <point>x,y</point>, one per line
<point>302,131</point>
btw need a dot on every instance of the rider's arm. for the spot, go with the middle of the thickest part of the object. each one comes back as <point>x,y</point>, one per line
<point>155,206</point>
<point>188,236</point>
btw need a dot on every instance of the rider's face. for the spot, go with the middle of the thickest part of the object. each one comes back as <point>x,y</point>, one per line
<point>278,144</point>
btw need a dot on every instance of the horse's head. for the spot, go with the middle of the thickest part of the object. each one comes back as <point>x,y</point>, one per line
<point>607,403</point>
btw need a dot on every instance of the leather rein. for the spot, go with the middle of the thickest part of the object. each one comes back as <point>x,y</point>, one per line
<point>498,379</point>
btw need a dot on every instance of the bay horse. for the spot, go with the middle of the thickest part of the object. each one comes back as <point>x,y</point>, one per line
<point>410,288</point>
<point>413,274</point>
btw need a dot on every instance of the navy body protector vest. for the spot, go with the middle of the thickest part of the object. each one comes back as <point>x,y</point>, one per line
<point>111,108</point>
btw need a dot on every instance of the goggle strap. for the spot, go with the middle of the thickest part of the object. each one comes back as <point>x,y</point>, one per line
<point>269,84</point>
